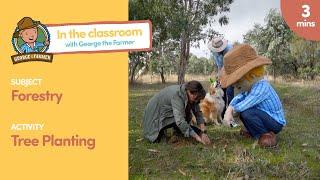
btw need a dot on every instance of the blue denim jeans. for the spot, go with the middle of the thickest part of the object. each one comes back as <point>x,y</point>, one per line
<point>259,122</point>
<point>228,96</point>
<point>229,93</point>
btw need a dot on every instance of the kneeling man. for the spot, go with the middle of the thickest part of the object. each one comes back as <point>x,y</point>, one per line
<point>257,103</point>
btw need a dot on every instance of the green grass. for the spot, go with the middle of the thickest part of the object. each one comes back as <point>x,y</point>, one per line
<point>231,156</point>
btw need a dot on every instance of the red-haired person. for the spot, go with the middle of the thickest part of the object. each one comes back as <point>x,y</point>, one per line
<point>258,104</point>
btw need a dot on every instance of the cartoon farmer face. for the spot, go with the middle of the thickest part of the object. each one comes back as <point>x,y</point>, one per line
<point>29,35</point>
<point>27,30</point>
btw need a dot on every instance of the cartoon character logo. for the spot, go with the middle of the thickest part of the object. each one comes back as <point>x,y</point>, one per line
<point>31,37</point>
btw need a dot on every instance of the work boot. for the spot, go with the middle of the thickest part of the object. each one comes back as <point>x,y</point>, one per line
<point>268,140</point>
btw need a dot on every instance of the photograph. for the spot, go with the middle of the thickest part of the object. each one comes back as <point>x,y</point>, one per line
<point>228,91</point>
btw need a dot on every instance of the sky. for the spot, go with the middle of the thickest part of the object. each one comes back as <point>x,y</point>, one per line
<point>242,16</point>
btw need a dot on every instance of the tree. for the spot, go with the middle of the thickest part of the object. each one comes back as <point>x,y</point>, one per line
<point>164,59</point>
<point>307,55</point>
<point>189,18</point>
<point>164,47</point>
<point>199,65</point>
<point>136,59</point>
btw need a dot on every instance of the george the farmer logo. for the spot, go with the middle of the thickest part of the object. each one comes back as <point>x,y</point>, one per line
<point>31,40</point>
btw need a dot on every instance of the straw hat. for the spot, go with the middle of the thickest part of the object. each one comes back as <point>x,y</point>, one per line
<point>217,44</point>
<point>25,23</point>
<point>239,61</point>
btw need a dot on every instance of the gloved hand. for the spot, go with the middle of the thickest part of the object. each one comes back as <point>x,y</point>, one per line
<point>228,116</point>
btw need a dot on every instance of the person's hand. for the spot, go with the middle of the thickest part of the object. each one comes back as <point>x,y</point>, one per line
<point>205,139</point>
<point>199,139</point>
<point>228,116</point>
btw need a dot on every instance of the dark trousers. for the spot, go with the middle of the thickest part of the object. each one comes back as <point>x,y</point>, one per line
<point>259,122</point>
<point>176,129</point>
<point>228,96</point>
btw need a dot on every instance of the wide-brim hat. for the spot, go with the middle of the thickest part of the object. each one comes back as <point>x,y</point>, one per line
<point>217,44</point>
<point>239,61</point>
<point>25,23</point>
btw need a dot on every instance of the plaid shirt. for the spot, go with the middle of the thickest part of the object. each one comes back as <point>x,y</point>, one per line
<point>27,49</point>
<point>263,97</point>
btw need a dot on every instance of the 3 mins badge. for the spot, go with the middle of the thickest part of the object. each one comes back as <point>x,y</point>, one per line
<point>302,17</point>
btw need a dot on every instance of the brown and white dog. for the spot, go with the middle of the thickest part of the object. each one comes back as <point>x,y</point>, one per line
<point>213,104</point>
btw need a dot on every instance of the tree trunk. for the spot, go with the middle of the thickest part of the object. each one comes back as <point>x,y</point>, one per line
<point>184,56</point>
<point>295,66</point>
<point>312,62</point>
<point>163,80</point>
<point>181,69</point>
<point>133,71</point>
<point>274,75</point>
<point>161,60</point>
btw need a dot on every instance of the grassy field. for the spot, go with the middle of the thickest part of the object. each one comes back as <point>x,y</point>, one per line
<point>231,156</point>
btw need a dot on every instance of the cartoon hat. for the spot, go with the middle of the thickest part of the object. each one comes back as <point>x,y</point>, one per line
<point>217,44</point>
<point>25,23</point>
<point>239,61</point>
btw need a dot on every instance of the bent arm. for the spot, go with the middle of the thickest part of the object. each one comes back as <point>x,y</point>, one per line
<point>179,116</point>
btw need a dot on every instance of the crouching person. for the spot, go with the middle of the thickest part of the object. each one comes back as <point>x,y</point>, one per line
<point>172,107</point>
<point>257,103</point>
